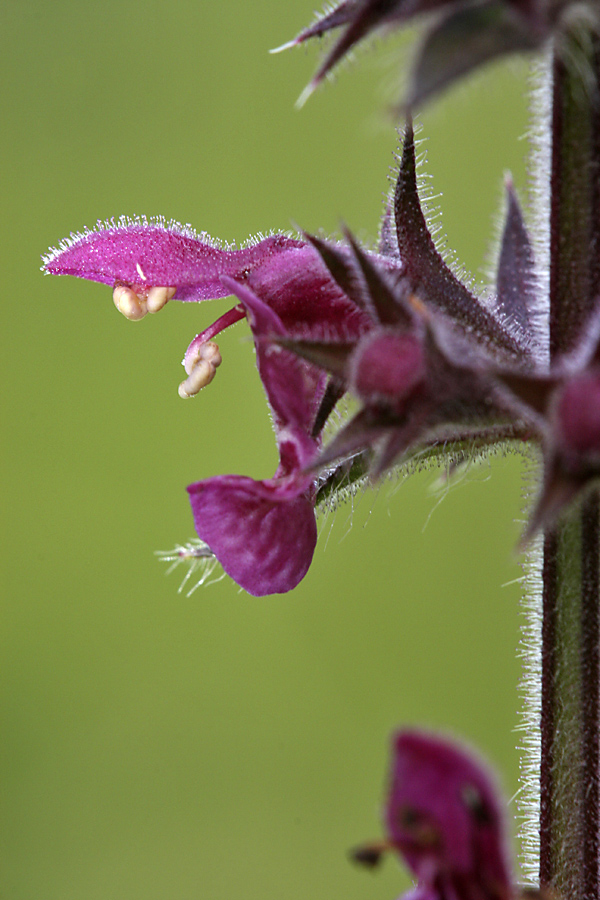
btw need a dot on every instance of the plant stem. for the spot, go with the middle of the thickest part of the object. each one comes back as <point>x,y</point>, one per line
<point>547,718</point>
<point>570,653</point>
<point>590,679</point>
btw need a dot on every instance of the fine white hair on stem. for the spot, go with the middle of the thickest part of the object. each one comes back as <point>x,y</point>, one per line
<point>539,188</point>
<point>530,688</point>
<point>531,629</point>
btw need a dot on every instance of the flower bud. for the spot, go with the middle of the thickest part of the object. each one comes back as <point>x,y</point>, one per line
<point>577,419</point>
<point>387,366</point>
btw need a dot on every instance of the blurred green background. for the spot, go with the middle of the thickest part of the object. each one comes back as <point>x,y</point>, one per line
<point>161,746</point>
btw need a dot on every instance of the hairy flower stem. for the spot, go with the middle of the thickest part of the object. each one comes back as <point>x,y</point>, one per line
<point>570,713</point>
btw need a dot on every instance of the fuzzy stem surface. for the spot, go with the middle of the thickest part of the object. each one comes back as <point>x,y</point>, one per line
<point>570,657</point>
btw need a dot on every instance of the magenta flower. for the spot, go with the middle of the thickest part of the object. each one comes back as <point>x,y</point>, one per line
<point>262,532</point>
<point>396,327</point>
<point>444,818</point>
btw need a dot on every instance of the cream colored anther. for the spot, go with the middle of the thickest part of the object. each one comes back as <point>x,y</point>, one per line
<point>211,353</point>
<point>201,369</point>
<point>135,306</point>
<point>158,297</point>
<point>128,303</point>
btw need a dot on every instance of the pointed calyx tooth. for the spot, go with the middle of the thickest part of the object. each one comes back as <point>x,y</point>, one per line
<point>425,270</point>
<point>134,305</point>
<point>287,46</point>
<point>307,93</point>
<point>201,368</point>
